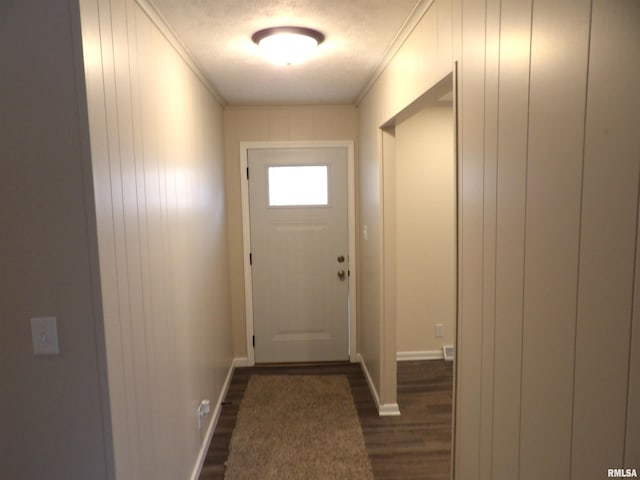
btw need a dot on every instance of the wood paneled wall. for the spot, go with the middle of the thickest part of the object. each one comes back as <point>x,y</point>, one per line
<point>549,175</point>
<point>422,60</point>
<point>549,166</point>
<point>548,372</point>
<point>269,123</point>
<point>158,173</point>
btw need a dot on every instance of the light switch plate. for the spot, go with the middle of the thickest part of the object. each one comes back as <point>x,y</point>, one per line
<point>44,336</point>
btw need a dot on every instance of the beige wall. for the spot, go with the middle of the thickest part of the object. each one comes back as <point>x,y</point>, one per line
<point>425,229</point>
<point>549,335</point>
<point>53,423</point>
<point>370,288</point>
<point>549,164</point>
<point>269,123</point>
<point>404,80</point>
<point>550,196</point>
<point>158,170</point>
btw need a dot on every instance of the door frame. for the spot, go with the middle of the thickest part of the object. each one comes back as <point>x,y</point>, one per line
<point>246,233</point>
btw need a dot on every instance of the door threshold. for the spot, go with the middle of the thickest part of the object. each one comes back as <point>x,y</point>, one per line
<point>340,363</point>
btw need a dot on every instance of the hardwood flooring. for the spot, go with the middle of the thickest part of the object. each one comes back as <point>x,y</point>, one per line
<point>414,445</point>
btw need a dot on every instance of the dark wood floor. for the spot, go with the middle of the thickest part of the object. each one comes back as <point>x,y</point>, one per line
<point>414,445</point>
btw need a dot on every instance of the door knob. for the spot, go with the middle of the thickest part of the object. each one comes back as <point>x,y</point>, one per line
<point>341,259</point>
<point>341,274</point>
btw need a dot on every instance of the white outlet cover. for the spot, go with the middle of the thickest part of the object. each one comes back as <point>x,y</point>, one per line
<point>44,336</point>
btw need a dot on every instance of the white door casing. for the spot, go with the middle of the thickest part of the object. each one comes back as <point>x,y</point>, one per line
<point>298,310</point>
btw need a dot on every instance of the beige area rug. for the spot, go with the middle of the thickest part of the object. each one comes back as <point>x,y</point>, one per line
<point>302,427</point>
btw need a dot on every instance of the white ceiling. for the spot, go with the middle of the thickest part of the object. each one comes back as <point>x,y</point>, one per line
<point>217,33</point>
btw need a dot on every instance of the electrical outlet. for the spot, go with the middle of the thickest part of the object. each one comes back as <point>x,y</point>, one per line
<point>439,330</point>
<point>205,407</point>
<point>203,410</point>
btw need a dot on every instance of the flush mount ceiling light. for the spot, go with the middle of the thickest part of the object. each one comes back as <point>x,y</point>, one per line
<point>287,45</point>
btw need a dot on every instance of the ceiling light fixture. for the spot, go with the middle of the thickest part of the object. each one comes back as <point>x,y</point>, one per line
<point>287,45</point>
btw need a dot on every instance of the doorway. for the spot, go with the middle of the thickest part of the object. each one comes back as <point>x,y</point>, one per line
<point>421,267</point>
<point>299,251</point>
<point>425,230</point>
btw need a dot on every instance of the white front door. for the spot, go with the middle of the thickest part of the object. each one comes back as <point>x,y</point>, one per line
<point>299,249</point>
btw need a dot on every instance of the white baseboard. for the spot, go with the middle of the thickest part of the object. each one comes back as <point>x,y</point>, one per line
<point>420,355</point>
<point>240,362</point>
<point>386,409</point>
<point>236,362</point>
<point>389,410</point>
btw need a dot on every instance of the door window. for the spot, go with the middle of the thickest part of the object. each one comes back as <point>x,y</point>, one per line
<point>299,185</point>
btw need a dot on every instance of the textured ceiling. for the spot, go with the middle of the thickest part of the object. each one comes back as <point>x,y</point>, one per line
<point>217,33</point>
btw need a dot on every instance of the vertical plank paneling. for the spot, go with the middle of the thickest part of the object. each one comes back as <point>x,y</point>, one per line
<point>417,58</point>
<point>232,130</point>
<point>471,161</point>
<point>159,161</point>
<point>160,69</point>
<point>126,449</point>
<point>129,251</point>
<point>144,154</point>
<point>608,232</point>
<point>144,146</point>
<point>334,122</point>
<point>542,336</point>
<point>559,51</point>
<point>300,123</point>
<point>138,248</point>
<point>445,30</point>
<point>102,118</point>
<point>279,124</point>
<point>515,29</point>
<point>369,205</point>
<point>254,124</point>
<point>154,269</point>
<point>491,95</point>
<point>176,164</point>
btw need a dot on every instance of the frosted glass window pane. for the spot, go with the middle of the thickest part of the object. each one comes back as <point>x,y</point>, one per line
<point>298,186</point>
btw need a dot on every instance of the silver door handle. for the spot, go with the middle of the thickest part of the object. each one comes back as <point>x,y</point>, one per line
<point>341,274</point>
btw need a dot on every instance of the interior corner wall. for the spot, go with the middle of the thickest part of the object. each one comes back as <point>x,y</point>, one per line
<point>158,171</point>
<point>276,124</point>
<point>425,231</point>
<point>549,162</point>
<point>422,61</point>
<point>53,424</point>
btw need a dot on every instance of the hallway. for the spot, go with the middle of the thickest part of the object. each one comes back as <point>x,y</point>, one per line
<point>415,445</point>
<point>122,216</point>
